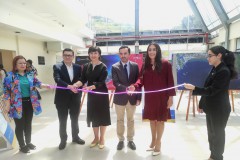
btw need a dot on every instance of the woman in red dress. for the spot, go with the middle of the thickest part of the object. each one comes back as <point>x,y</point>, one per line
<point>156,75</point>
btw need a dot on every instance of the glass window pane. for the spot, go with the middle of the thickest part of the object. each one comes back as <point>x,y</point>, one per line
<point>232,7</point>
<point>238,44</point>
<point>208,13</point>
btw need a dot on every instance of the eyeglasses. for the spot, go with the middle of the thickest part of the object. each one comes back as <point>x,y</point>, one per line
<point>210,55</point>
<point>22,63</point>
<point>67,55</point>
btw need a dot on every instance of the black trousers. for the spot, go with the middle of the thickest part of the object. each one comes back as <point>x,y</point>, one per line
<point>216,124</point>
<point>63,110</point>
<point>24,125</point>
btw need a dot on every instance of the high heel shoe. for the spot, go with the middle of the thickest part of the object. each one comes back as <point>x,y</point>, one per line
<point>150,149</point>
<point>101,146</point>
<point>154,153</point>
<point>93,144</point>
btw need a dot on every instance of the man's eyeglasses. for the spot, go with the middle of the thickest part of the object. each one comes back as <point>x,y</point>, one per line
<point>210,55</point>
<point>67,55</point>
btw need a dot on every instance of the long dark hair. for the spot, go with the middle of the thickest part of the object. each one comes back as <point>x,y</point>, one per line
<point>227,57</point>
<point>158,58</point>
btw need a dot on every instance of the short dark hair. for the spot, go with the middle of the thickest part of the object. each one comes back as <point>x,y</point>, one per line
<point>95,49</point>
<point>30,61</point>
<point>122,47</point>
<point>68,50</point>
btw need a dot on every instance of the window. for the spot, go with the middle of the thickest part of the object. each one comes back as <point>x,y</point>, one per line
<point>100,34</point>
<point>232,7</point>
<point>114,43</point>
<point>101,43</point>
<point>128,34</point>
<point>128,43</point>
<point>178,41</point>
<point>114,34</point>
<point>238,45</point>
<point>145,42</point>
<point>222,44</point>
<point>208,13</point>
<point>162,41</point>
<point>195,40</point>
<point>146,33</point>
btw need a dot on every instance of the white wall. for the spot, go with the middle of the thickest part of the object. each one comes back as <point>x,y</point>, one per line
<point>7,41</point>
<point>31,49</point>
<point>23,19</point>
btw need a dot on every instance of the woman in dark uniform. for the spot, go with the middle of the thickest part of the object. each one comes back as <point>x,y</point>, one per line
<point>98,114</point>
<point>215,99</point>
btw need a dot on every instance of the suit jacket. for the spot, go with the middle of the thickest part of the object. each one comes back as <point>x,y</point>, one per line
<point>61,77</point>
<point>215,96</point>
<point>121,82</point>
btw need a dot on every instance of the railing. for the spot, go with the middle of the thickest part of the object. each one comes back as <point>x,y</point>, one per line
<point>151,32</point>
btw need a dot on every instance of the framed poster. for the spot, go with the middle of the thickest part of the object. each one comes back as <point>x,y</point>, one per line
<point>41,60</point>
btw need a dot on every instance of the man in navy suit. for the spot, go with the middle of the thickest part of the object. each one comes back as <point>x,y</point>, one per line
<point>124,75</point>
<point>67,100</point>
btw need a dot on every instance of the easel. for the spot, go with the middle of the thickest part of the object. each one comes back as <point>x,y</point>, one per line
<point>230,92</point>
<point>110,99</point>
<point>81,104</point>
<point>194,100</point>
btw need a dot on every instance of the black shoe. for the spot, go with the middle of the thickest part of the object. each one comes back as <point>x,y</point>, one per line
<point>62,145</point>
<point>131,145</point>
<point>78,141</point>
<point>31,146</point>
<point>120,145</point>
<point>24,149</point>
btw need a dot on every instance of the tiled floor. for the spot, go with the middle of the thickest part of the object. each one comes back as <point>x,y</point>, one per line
<point>181,140</point>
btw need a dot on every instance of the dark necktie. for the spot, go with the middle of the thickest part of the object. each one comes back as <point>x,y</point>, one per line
<point>125,70</point>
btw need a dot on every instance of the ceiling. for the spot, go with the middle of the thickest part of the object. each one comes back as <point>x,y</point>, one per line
<point>14,31</point>
<point>37,19</point>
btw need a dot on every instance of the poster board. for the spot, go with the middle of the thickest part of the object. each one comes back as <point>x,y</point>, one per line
<point>109,60</point>
<point>194,68</point>
<point>7,135</point>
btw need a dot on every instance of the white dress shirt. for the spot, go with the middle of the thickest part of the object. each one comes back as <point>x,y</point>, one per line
<point>70,71</point>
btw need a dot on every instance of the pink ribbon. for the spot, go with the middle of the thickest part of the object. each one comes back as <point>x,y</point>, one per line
<point>125,92</point>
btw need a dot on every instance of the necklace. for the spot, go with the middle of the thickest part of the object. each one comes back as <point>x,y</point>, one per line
<point>153,67</point>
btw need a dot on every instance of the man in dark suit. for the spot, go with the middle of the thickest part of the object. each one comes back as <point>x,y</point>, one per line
<point>67,100</point>
<point>124,75</point>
